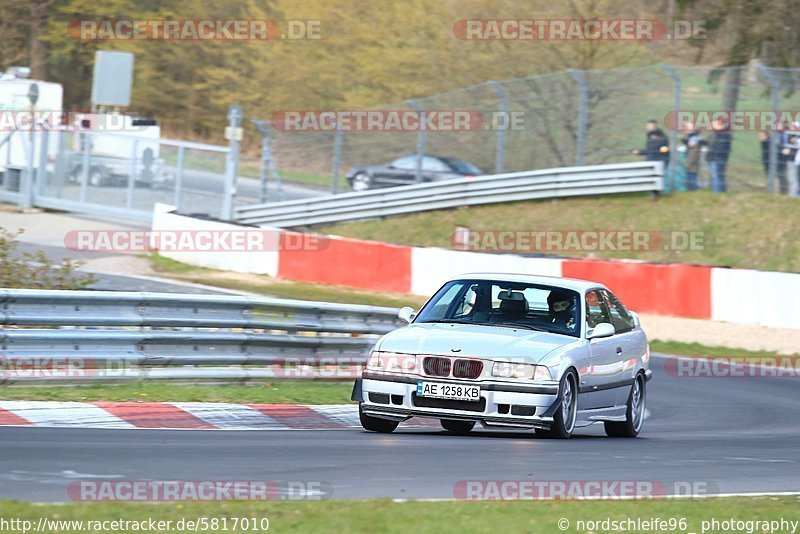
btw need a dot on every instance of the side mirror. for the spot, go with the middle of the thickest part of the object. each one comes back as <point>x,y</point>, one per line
<point>406,314</point>
<point>602,330</point>
<point>636,321</point>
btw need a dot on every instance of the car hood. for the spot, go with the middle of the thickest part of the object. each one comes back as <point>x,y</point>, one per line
<point>477,341</point>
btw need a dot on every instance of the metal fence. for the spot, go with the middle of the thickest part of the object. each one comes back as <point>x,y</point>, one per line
<point>67,337</point>
<point>116,174</point>
<point>574,117</point>
<point>551,183</point>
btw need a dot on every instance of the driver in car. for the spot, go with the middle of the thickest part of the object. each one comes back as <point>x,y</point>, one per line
<point>561,309</point>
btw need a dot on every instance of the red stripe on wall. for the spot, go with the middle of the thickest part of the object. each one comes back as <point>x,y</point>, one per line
<point>153,415</point>
<point>673,289</point>
<point>296,416</point>
<point>347,262</point>
<point>10,418</point>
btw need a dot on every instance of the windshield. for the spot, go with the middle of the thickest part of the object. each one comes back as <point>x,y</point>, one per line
<point>505,304</point>
<point>463,167</point>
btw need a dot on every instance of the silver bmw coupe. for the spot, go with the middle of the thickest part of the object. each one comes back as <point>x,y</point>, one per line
<point>511,351</point>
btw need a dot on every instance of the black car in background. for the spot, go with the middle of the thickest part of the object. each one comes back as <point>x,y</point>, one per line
<point>403,171</point>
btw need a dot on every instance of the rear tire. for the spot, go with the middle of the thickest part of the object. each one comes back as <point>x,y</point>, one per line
<point>457,427</point>
<point>565,416</point>
<point>376,424</point>
<point>634,415</point>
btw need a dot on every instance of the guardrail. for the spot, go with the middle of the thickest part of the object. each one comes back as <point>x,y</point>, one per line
<point>66,337</point>
<point>635,177</point>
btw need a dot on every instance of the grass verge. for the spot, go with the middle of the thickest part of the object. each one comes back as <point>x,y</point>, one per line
<point>705,351</point>
<point>387,516</point>
<point>277,392</point>
<point>748,230</point>
<point>268,286</point>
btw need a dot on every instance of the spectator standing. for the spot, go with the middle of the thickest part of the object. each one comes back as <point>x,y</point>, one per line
<point>791,146</point>
<point>719,148</point>
<point>657,143</point>
<point>692,145</point>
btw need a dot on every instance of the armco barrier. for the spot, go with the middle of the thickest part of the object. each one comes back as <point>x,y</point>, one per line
<point>634,177</point>
<point>733,295</point>
<point>49,336</point>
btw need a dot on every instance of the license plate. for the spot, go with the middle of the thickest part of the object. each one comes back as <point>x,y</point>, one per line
<point>442,390</point>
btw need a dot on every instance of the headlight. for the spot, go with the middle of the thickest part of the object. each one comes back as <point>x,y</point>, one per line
<point>392,362</point>
<point>525,371</point>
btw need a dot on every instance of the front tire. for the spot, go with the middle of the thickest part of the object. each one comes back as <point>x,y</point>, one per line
<point>457,427</point>
<point>565,416</point>
<point>634,415</point>
<point>376,424</point>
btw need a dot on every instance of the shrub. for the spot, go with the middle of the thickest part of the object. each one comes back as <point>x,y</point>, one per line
<point>34,270</point>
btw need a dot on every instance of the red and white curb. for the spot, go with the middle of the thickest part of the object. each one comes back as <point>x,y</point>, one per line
<point>186,415</point>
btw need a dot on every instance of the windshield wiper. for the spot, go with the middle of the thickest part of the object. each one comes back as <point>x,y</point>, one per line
<point>518,325</point>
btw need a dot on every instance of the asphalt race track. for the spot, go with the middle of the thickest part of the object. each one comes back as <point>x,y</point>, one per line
<point>727,435</point>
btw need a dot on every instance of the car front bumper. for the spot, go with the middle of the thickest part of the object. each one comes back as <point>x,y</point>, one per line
<point>498,400</point>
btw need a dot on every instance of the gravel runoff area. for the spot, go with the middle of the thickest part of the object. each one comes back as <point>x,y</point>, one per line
<point>721,334</point>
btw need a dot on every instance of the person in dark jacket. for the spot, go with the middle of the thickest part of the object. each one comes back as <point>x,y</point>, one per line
<point>693,144</point>
<point>719,148</point>
<point>657,144</point>
<point>791,147</point>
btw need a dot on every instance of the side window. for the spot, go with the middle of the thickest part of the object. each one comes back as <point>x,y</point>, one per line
<point>433,165</point>
<point>620,317</point>
<point>596,311</point>
<point>407,163</point>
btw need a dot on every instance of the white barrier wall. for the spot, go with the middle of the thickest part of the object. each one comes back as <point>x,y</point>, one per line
<point>755,297</point>
<point>432,267</point>
<point>240,261</point>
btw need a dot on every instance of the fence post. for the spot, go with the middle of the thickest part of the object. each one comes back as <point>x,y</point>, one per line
<point>41,172</point>
<point>233,133</point>
<point>337,159</point>
<point>132,172</point>
<point>268,169</point>
<point>420,140</point>
<point>774,140</point>
<point>179,176</point>
<point>87,152</point>
<point>678,84</point>
<point>500,154</point>
<point>27,177</point>
<point>583,115</point>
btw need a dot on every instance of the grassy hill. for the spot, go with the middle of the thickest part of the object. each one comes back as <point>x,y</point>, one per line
<point>748,230</point>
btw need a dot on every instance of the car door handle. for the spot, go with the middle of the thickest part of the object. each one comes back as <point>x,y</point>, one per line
<point>619,350</point>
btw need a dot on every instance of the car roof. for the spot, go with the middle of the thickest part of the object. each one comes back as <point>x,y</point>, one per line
<point>567,283</point>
